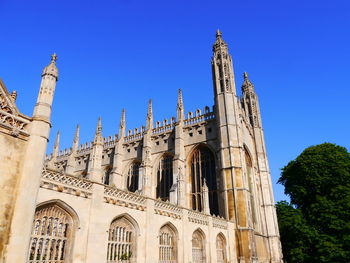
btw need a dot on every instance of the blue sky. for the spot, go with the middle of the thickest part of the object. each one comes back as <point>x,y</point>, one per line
<point>120,53</point>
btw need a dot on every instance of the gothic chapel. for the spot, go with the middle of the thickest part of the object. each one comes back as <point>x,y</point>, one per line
<point>194,188</point>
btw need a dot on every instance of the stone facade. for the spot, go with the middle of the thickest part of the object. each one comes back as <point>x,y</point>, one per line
<point>195,188</point>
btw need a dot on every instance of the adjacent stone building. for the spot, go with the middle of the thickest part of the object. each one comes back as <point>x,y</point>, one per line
<point>190,189</point>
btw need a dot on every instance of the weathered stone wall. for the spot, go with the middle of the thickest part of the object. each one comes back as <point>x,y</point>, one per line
<point>11,156</point>
<point>96,208</point>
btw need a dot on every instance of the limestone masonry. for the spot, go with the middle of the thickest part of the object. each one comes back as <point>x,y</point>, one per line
<point>190,189</point>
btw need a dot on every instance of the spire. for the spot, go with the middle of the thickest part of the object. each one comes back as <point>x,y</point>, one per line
<point>149,121</point>
<point>122,125</point>
<point>98,134</point>
<point>77,132</point>
<point>99,126</point>
<point>56,146</point>
<point>247,84</point>
<point>76,139</point>
<point>180,106</point>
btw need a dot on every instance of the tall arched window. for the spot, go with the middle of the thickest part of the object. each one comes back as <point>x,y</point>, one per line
<point>202,166</point>
<point>132,183</point>
<point>52,235</point>
<point>167,245</point>
<point>121,242</point>
<point>249,168</point>
<point>198,247</point>
<point>164,177</point>
<point>220,249</point>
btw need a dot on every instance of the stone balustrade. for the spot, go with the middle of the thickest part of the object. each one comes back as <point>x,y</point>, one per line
<point>66,183</point>
<point>56,181</point>
<point>124,198</point>
<point>167,209</point>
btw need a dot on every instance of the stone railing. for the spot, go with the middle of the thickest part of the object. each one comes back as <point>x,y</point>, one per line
<point>198,118</point>
<point>124,198</point>
<point>198,218</point>
<point>66,183</point>
<point>163,129</point>
<point>167,209</point>
<point>15,123</point>
<point>134,137</point>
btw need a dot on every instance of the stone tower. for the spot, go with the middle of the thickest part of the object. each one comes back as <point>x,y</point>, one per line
<point>23,144</point>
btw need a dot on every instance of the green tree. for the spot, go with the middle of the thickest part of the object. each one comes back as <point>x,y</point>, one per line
<point>315,227</point>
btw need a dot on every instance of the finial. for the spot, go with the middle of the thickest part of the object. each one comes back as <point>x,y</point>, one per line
<point>53,57</point>
<point>245,75</point>
<point>14,95</point>
<point>218,33</point>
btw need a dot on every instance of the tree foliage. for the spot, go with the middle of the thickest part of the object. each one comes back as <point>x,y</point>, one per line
<point>315,227</point>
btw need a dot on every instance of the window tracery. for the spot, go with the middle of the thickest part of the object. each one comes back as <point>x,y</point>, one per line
<point>202,166</point>
<point>164,177</point>
<point>51,235</point>
<point>198,247</point>
<point>167,245</point>
<point>249,168</point>
<point>220,249</point>
<point>133,177</point>
<point>121,242</point>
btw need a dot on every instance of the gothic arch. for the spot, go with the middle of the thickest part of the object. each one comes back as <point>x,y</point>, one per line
<point>53,232</point>
<point>132,175</point>
<point>250,171</point>
<point>198,246</point>
<point>221,248</point>
<point>163,168</point>
<point>130,219</point>
<point>168,243</point>
<point>70,210</point>
<point>203,178</point>
<point>122,239</point>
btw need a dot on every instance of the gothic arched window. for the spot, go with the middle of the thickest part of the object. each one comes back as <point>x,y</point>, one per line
<point>249,169</point>
<point>167,245</point>
<point>203,170</point>
<point>106,176</point>
<point>52,235</point>
<point>198,247</point>
<point>121,241</point>
<point>132,183</point>
<point>220,249</point>
<point>164,177</point>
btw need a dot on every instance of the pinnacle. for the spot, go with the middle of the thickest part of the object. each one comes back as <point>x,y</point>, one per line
<point>218,33</point>
<point>77,131</point>
<point>99,126</point>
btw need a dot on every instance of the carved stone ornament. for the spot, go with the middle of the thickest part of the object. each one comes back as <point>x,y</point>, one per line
<point>10,118</point>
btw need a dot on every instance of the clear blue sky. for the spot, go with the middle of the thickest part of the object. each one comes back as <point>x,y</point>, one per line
<point>119,53</point>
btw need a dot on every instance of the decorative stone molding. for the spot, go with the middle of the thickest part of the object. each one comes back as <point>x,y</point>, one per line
<point>198,218</point>
<point>9,116</point>
<point>198,118</point>
<point>167,209</point>
<point>219,222</point>
<point>65,183</point>
<point>123,198</point>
